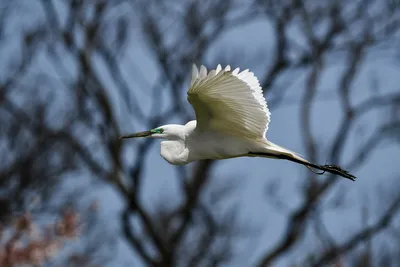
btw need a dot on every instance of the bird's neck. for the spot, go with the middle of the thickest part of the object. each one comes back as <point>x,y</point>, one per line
<point>174,151</point>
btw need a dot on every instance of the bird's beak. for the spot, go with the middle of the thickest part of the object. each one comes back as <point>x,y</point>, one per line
<point>139,134</point>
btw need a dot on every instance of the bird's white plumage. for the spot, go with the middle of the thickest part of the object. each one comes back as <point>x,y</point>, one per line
<point>232,119</point>
<point>229,101</point>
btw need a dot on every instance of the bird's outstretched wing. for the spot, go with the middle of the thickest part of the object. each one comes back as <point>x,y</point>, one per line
<point>229,101</point>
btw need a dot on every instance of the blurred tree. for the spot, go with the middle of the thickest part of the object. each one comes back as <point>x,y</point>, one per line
<point>72,79</point>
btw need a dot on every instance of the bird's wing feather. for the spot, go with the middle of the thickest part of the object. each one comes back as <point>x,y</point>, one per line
<point>229,101</point>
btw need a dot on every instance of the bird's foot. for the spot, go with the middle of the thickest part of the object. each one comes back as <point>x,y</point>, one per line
<point>316,172</point>
<point>339,171</point>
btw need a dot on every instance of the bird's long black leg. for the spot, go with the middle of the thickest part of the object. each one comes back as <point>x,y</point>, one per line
<point>323,168</point>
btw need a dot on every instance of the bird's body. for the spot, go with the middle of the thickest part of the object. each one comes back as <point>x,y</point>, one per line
<point>232,119</point>
<point>190,145</point>
<point>193,145</point>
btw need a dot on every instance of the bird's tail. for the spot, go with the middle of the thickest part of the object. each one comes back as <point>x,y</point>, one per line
<point>272,150</point>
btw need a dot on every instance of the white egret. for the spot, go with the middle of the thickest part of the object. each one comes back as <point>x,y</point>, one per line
<point>232,119</point>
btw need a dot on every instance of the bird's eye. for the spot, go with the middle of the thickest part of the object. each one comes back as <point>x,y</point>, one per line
<point>158,130</point>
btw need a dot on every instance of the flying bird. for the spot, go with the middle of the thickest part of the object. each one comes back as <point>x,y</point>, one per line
<point>232,119</point>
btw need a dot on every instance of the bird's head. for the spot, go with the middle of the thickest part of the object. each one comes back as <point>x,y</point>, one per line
<point>170,131</point>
